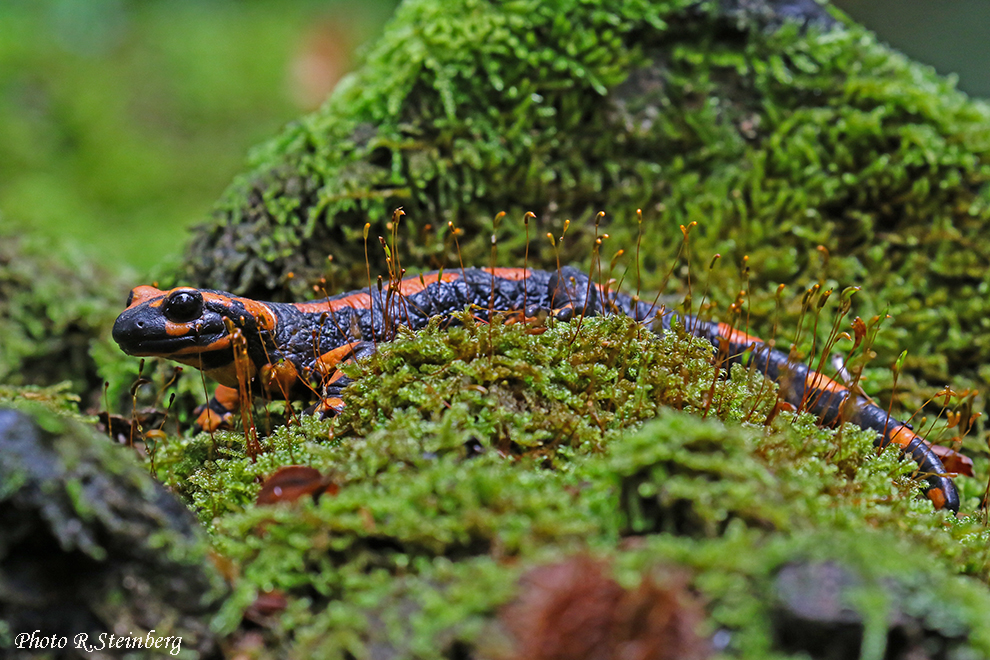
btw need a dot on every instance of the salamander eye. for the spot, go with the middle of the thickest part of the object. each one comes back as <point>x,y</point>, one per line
<point>183,306</point>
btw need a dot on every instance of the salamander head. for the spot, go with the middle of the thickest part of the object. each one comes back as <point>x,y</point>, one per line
<point>188,325</point>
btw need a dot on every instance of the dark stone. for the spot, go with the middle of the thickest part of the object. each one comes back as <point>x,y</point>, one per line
<point>815,614</point>
<point>91,544</point>
<point>812,615</point>
<point>773,13</point>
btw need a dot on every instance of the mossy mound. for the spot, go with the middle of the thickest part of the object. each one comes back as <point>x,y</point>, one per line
<point>56,309</point>
<point>443,494</point>
<point>771,124</point>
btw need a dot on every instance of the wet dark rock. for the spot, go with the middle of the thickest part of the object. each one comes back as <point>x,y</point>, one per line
<point>817,614</point>
<point>773,13</point>
<point>91,544</point>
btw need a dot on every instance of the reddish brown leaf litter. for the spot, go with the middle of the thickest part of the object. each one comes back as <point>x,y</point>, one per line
<point>953,461</point>
<point>292,482</point>
<point>574,610</point>
<point>266,607</point>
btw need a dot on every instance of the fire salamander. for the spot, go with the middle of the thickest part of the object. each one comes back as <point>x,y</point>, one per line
<point>294,348</point>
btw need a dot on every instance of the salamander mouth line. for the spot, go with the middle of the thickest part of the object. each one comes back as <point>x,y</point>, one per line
<point>170,347</point>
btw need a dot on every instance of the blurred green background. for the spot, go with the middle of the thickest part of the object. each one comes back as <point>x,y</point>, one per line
<point>121,121</point>
<point>951,35</point>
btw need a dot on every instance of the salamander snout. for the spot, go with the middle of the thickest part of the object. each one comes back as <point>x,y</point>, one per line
<point>134,327</point>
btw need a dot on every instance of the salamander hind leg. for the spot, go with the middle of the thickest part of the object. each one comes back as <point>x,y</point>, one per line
<point>571,293</point>
<point>334,381</point>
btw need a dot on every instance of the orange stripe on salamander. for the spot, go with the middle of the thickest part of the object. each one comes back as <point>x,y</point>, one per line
<point>140,294</point>
<point>726,331</point>
<point>820,381</point>
<point>354,301</point>
<point>937,496</point>
<point>510,273</point>
<point>261,312</point>
<point>279,377</point>
<point>738,341</point>
<point>902,435</point>
<point>415,284</point>
<point>220,344</point>
<point>813,380</point>
<point>178,329</point>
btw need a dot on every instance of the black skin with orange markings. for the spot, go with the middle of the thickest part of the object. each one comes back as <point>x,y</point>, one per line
<point>308,340</point>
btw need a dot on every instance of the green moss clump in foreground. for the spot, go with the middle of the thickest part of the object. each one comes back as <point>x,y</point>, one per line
<point>775,135</point>
<point>448,494</point>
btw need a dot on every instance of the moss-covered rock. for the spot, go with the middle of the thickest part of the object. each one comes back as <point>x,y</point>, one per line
<point>775,126</point>
<point>469,457</point>
<point>89,543</point>
<point>446,488</point>
<point>56,309</point>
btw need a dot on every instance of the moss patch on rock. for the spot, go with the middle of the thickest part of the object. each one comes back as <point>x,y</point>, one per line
<point>444,494</point>
<point>91,544</point>
<point>56,309</point>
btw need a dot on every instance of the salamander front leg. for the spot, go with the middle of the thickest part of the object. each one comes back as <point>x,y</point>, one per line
<point>218,413</point>
<point>334,380</point>
<point>572,294</point>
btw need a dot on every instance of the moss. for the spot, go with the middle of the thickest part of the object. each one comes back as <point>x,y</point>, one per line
<point>56,309</point>
<point>484,388</point>
<point>446,493</point>
<point>57,398</point>
<point>740,575</point>
<point>423,558</point>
